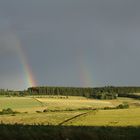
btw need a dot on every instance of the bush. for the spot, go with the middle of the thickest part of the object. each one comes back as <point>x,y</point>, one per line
<point>38,111</point>
<point>45,110</point>
<point>8,111</point>
<point>108,108</point>
<point>123,106</point>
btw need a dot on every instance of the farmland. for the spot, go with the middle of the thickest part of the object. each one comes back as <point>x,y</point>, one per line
<point>63,116</point>
<point>59,109</point>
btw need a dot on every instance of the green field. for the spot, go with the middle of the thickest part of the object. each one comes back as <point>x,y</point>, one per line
<point>18,102</point>
<point>69,118</point>
<point>73,103</point>
<point>63,109</point>
<point>120,117</point>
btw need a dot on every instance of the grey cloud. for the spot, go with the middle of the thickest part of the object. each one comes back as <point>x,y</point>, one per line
<point>58,35</point>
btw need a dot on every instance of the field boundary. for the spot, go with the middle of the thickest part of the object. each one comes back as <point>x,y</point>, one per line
<point>42,104</point>
<point>72,118</point>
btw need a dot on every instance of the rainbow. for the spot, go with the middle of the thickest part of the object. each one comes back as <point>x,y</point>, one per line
<point>84,70</point>
<point>85,77</point>
<point>28,76</point>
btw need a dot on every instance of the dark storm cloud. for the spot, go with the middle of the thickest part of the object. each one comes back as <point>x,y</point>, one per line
<point>59,36</point>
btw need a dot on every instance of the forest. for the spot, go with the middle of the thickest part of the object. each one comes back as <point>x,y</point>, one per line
<point>107,92</point>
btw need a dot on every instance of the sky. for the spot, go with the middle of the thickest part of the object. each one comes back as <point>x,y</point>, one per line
<point>81,43</point>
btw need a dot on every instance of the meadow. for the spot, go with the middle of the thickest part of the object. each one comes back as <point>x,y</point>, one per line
<point>52,113</point>
<point>59,109</point>
<point>31,108</point>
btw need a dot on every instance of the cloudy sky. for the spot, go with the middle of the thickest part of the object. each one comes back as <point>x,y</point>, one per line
<point>70,42</point>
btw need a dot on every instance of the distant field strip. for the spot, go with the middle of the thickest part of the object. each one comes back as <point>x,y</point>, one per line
<point>18,102</point>
<point>49,118</point>
<point>63,104</point>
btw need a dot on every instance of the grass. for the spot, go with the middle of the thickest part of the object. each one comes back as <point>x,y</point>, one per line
<point>133,103</point>
<point>120,117</point>
<point>73,103</point>
<point>40,132</point>
<point>53,118</point>
<point>18,102</point>
<point>32,105</point>
<point>122,124</point>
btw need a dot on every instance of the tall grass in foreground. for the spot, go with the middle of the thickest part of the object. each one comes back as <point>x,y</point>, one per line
<point>40,132</point>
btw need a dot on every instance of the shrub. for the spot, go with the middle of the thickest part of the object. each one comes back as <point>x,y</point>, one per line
<point>45,110</point>
<point>7,111</point>
<point>38,111</point>
<point>108,108</point>
<point>123,106</point>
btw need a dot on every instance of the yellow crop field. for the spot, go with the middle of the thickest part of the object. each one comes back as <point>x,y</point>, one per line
<point>74,110</point>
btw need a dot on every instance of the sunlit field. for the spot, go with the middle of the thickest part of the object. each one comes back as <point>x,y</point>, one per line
<point>55,103</point>
<point>58,110</point>
<point>73,103</point>
<point>120,117</point>
<point>21,104</point>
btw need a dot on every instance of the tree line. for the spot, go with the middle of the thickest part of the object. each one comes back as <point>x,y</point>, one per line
<point>108,92</point>
<point>73,91</point>
<point>9,92</point>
